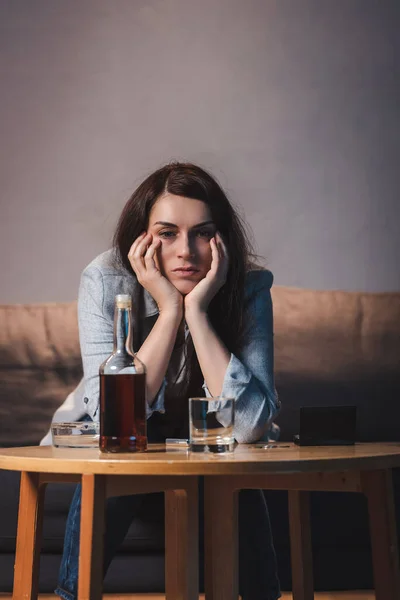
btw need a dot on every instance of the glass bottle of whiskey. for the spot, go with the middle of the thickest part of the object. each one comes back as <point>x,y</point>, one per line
<point>123,389</point>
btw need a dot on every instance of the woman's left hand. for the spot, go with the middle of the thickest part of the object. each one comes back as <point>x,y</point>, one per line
<point>202,294</point>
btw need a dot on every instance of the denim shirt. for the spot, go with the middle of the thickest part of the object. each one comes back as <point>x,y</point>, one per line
<point>249,378</point>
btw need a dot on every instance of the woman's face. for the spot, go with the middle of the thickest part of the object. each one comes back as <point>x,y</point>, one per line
<point>185,227</point>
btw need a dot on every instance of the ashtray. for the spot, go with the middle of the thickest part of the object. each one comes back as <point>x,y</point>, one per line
<point>81,434</point>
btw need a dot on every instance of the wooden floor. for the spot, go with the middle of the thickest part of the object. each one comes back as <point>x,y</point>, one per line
<point>285,596</point>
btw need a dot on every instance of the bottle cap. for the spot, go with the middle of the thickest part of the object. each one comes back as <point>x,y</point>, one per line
<point>123,301</point>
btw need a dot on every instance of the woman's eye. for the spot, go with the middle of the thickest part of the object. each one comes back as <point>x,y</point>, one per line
<point>166,234</point>
<point>205,233</point>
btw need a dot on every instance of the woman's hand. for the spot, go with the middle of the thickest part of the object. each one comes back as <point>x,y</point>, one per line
<point>143,258</point>
<point>202,294</point>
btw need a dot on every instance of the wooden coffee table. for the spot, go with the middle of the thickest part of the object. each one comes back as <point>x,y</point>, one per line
<point>103,476</point>
<point>364,468</point>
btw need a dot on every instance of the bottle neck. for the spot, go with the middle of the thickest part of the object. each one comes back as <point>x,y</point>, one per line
<point>123,331</point>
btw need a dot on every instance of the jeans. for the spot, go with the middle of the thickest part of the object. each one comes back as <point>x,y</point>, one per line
<point>258,579</point>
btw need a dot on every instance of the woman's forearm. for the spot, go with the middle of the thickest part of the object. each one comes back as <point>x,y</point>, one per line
<point>212,354</point>
<point>156,351</point>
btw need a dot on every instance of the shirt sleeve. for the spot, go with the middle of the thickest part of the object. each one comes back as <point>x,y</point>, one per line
<point>249,378</point>
<point>96,336</point>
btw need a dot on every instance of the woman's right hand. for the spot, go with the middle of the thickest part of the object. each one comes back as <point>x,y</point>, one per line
<point>143,258</point>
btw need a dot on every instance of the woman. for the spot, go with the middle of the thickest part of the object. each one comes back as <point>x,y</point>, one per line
<point>202,319</point>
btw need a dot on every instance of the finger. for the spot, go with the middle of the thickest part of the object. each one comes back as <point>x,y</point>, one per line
<point>222,264</point>
<point>136,257</point>
<point>215,258</point>
<point>135,244</point>
<point>142,246</point>
<point>223,251</point>
<point>157,254</point>
<point>221,244</point>
<point>149,257</point>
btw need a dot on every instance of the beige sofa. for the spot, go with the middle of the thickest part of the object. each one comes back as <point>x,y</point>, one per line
<point>331,348</point>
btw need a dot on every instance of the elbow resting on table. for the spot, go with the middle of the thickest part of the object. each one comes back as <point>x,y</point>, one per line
<point>249,431</point>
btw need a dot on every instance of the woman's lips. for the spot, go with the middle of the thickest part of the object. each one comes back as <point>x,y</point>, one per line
<point>185,272</point>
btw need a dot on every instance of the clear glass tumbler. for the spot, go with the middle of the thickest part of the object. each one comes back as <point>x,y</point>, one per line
<point>211,422</point>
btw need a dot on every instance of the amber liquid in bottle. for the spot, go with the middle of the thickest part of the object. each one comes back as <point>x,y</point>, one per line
<point>123,425</point>
<point>123,413</point>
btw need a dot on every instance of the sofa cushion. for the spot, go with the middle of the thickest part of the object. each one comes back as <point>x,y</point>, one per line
<point>325,334</point>
<point>39,365</point>
<point>338,348</point>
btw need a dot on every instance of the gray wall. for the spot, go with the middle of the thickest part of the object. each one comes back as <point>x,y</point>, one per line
<point>293,104</point>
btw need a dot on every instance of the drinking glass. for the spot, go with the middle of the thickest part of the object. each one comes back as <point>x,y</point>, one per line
<point>211,422</point>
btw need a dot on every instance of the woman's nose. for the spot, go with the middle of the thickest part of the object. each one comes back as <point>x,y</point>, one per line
<point>185,249</point>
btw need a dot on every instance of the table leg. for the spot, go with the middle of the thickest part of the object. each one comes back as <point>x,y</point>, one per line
<point>300,545</point>
<point>90,582</point>
<point>378,487</point>
<point>29,537</point>
<point>181,542</point>
<point>221,539</point>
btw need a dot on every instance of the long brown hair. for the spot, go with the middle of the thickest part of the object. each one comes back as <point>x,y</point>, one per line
<point>186,179</point>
